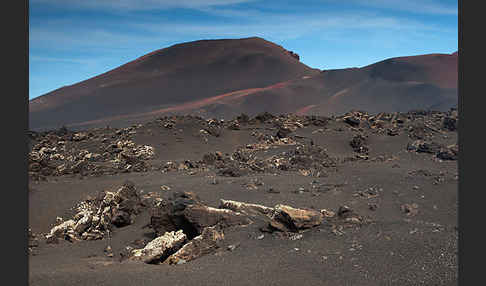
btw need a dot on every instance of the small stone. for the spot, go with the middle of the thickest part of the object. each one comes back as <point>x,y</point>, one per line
<point>372,206</point>
<point>296,237</point>
<point>410,209</point>
<point>327,213</point>
<point>51,239</point>
<point>273,191</point>
<point>165,188</point>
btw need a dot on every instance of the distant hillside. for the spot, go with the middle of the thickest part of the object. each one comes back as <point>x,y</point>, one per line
<point>227,77</point>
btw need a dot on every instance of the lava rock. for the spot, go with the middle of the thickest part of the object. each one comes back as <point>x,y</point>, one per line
<point>203,216</point>
<point>286,218</point>
<point>449,153</point>
<point>160,248</point>
<point>245,208</point>
<point>449,123</point>
<point>358,143</point>
<point>353,121</point>
<point>421,146</point>
<point>209,240</point>
<point>283,132</point>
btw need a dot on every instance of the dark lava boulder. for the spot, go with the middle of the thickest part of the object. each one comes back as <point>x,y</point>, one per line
<point>450,123</point>
<point>264,117</point>
<point>420,146</point>
<point>449,153</point>
<point>353,121</point>
<point>283,132</point>
<point>186,211</point>
<point>358,143</point>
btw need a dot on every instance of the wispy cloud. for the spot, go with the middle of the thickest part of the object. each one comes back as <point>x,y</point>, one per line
<point>137,4</point>
<point>62,60</point>
<point>414,6</point>
<point>275,26</point>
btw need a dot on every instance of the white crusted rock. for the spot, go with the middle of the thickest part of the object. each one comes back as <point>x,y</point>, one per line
<point>160,248</point>
<point>60,230</point>
<point>201,245</point>
<point>245,208</point>
<point>83,223</point>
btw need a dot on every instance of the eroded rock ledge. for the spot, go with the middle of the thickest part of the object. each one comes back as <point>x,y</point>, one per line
<point>184,226</point>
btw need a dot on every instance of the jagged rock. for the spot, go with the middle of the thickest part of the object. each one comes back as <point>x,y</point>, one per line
<point>120,218</point>
<point>169,215</point>
<point>392,132</point>
<point>245,208</point>
<point>327,213</point>
<point>128,198</point>
<point>420,146</point>
<point>160,248</point>
<point>353,121</point>
<point>61,229</point>
<point>317,120</point>
<point>210,158</point>
<point>201,216</point>
<point>96,217</point>
<point>450,123</point>
<point>349,215</point>
<point>33,241</point>
<point>263,117</point>
<point>203,244</point>
<point>294,55</point>
<point>410,209</point>
<point>287,218</point>
<point>243,118</point>
<point>283,132</point>
<point>83,223</point>
<point>449,153</point>
<point>358,143</point>
<point>234,125</point>
<point>231,171</point>
<point>79,136</point>
<point>214,131</point>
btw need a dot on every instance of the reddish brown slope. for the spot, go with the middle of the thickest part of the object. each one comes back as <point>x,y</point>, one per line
<point>397,84</point>
<point>175,75</point>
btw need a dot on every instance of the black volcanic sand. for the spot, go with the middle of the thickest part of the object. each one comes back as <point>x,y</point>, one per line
<point>394,249</point>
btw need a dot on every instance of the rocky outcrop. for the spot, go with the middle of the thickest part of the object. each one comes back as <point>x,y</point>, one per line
<point>160,248</point>
<point>245,208</point>
<point>209,240</point>
<point>286,218</point>
<point>186,211</point>
<point>201,216</point>
<point>97,217</point>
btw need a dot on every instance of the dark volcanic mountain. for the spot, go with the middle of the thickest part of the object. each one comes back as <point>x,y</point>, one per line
<point>224,78</point>
<point>168,77</point>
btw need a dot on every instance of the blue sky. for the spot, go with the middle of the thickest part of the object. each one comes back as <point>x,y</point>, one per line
<point>73,40</point>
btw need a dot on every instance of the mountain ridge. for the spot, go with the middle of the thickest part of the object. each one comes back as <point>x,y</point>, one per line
<point>225,77</point>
